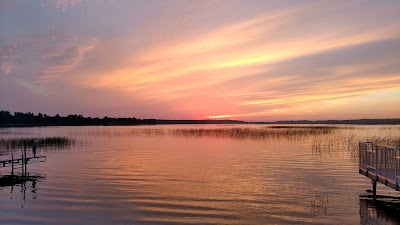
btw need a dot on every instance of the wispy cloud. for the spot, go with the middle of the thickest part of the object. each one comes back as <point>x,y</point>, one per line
<point>247,43</point>
<point>62,61</point>
<point>62,5</point>
<point>8,58</point>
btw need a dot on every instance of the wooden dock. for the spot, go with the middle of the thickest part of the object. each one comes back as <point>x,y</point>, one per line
<point>15,162</point>
<point>381,164</point>
<point>21,161</point>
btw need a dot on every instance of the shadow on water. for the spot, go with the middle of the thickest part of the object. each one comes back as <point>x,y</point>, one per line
<point>19,180</point>
<point>383,210</point>
<point>21,184</point>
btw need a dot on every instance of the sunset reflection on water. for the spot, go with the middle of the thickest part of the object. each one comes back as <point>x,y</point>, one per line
<point>167,179</point>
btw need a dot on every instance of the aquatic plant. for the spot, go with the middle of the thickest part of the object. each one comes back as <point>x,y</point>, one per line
<point>255,133</point>
<point>348,142</point>
<point>7,144</point>
<point>320,204</point>
<point>319,138</point>
<point>289,132</point>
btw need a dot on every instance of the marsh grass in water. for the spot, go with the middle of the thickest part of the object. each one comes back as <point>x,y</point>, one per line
<point>8,144</point>
<point>349,142</point>
<point>253,133</point>
<point>319,138</point>
<point>320,204</point>
<point>326,139</point>
<point>274,132</point>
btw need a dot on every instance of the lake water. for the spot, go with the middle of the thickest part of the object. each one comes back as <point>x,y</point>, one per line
<point>116,175</point>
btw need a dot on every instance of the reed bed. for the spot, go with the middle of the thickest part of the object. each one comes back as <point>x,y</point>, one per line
<point>291,133</point>
<point>386,141</point>
<point>318,138</point>
<point>133,132</point>
<point>314,127</point>
<point>278,132</point>
<point>348,142</point>
<point>7,144</point>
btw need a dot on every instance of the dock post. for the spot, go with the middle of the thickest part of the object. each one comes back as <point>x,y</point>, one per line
<point>376,159</point>
<point>396,166</point>
<point>385,167</point>
<point>12,163</point>
<point>25,160</point>
<point>22,162</point>
<point>374,189</point>
<point>361,155</point>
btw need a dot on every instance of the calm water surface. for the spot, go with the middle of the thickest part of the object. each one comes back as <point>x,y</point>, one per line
<point>117,178</point>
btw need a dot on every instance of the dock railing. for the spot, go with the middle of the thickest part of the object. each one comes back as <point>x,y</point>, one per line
<point>380,163</point>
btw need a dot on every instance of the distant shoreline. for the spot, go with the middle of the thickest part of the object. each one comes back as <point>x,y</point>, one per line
<point>31,120</point>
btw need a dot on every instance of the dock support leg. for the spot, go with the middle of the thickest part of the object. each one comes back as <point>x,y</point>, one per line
<point>374,189</point>
<point>24,164</point>
<point>12,164</point>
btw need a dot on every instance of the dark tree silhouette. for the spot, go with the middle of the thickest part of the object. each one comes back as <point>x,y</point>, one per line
<point>29,119</point>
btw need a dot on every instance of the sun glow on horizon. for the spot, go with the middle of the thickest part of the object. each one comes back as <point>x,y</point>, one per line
<point>220,117</point>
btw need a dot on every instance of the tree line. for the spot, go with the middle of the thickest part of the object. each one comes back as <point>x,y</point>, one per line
<point>29,119</point>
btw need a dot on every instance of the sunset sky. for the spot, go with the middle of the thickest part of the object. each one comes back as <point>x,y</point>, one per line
<point>217,59</point>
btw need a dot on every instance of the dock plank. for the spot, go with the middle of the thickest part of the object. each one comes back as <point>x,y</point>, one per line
<point>9,162</point>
